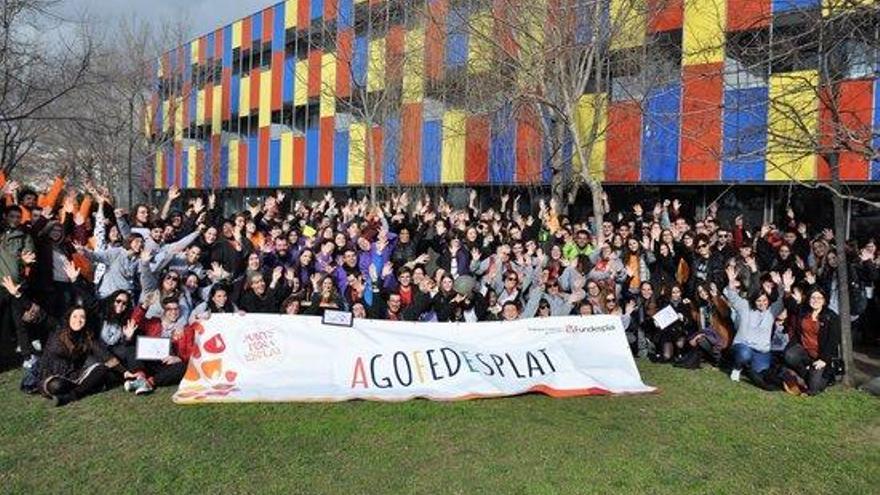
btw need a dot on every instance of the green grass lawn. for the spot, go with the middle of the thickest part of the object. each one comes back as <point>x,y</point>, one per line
<point>700,434</point>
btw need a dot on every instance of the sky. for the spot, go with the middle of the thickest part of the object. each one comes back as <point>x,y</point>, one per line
<point>203,15</point>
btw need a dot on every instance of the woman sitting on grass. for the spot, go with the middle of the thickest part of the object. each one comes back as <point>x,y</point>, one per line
<point>74,364</point>
<point>755,318</point>
<point>815,339</point>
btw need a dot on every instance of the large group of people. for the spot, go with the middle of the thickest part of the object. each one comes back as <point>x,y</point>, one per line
<point>82,280</point>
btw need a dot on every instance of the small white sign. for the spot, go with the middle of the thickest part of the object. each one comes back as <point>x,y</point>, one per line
<point>665,317</point>
<point>337,318</point>
<point>153,349</point>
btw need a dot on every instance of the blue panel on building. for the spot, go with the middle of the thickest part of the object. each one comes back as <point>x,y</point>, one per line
<point>227,47</point>
<point>432,148</point>
<point>345,14</point>
<point>502,150</point>
<point>456,39</point>
<point>340,158</point>
<point>184,169</point>
<point>253,165</point>
<point>274,162</point>
<point>359,61</point>
<point>317,9</point>
<point>257,27</point>
<point>289,79</point>
<point>745,134</point>
<point>312,146</point>
<point>169,165</point>
<point>278,30</point>
<point>391,151</point>
<point>790,5</point>
<point>224,165</point>
<point>660,134</point>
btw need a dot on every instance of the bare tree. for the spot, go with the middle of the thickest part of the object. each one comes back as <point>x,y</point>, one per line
<point>35,74</point>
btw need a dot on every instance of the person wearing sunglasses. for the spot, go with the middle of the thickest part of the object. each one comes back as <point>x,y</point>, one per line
<point>170,286</point>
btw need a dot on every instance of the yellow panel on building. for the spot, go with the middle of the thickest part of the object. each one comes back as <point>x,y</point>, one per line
<point>265,118</point>
<point>167,118</point>
<point>376,65</point>
<point>192,164</point>
<point>244,96</point>
<point>793,121</point>
<point>159,177</point>
<point>200,107</point>
<point>414,66</point>
<point>357,154</point>
<point>452,164</point>
<point>629,23</point>
<point>591,122</point>
<point>236,35</point>
<point>328,85</point>
<point>834,7</point>
<point>233,163</point>
<point>480,45</point>
<point>217,110</point>
<point>301,85</point>
<point>286,159</point>
<point>290,13</point>
<point>178,119</point>
<point>703,36</point>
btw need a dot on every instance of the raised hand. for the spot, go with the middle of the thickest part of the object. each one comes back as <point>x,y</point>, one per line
<point>129,329</point>
<point>71,270</point>
<point>11,287</point>
<point>173,193</point>
<point>787,279</point>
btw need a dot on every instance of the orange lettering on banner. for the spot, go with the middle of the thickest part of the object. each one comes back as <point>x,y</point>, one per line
<point>359,376</point>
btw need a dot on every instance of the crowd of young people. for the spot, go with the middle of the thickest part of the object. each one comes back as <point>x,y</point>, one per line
<point>82,280</point>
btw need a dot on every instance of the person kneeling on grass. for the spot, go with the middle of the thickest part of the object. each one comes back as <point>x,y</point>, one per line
<point>755,318</point>
<point>74,363</point>
<point>168,371</point>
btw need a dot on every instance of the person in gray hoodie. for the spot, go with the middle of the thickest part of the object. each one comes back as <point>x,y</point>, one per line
<point>16,251</point>
<point>754,326</point>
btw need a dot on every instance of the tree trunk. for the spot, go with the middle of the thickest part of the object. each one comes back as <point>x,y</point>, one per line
<point>557,178</point>
<point>598,213</point>
<point>842,275</point>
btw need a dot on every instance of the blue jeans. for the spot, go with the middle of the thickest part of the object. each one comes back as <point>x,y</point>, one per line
<point>745,356</point>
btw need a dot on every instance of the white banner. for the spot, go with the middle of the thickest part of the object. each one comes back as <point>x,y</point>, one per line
<point>261,357</point>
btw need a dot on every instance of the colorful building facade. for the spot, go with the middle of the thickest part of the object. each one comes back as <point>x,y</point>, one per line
<point>255,104</point>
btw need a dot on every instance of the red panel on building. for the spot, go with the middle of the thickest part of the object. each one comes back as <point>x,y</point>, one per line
<point>369,169</point>
<point>263,157</point>
<point>623,142</point>
<point>256,74</point>
<point>303,17</point>
<point>325,154</point>
<point>268,24</point>
<point>200,169</point>
<point>411,143</point>
<point>201,50</point>
<point>394,42</point>
<point>315,73</point>
<point>502,30</point>
<point>743,15</point>
<point>665,15</point>
<point>701,103</point>
<point>343,62</point>
<point>225,107</point>
<point>246,34</point>
<point>528,147</point>
<point>299,160</point>
<point>216,145</point>
<point>330,9</point>
<point>207,111</point>
<point>854,107</point>
<point>435,39</point>
<point>278,68</point>
<point>178,164</point>
<point>476,170</point>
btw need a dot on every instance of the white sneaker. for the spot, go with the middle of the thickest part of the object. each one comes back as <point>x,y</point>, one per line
<point>734,375</point>
<point>144,389</point>
<point>29,362</point>
<point>133,385</point>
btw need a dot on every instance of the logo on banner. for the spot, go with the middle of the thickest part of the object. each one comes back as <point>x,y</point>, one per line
<point>261,346</point>
<point>572,329</point>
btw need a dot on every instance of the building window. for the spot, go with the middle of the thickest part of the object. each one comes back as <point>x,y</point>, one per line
<point>747,58</point>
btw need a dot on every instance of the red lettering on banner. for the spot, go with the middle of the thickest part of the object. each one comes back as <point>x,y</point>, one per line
<point>359,372</point>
